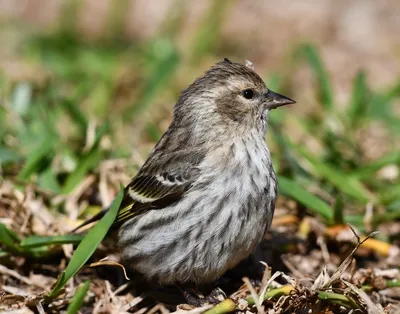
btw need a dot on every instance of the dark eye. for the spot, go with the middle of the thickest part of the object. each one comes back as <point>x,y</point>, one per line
<point>248,93</point>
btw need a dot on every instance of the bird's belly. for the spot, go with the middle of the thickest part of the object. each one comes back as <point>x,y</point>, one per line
<point>208,232</point>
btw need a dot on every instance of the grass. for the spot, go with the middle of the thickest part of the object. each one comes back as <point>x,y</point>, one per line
<point>109,100</point>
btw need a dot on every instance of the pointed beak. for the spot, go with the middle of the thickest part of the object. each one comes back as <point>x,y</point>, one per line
<point>275,100</point>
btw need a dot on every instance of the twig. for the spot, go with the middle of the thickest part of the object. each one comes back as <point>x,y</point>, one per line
<point>253,294</point>
<point>6,271</point>
<point>112,263</point>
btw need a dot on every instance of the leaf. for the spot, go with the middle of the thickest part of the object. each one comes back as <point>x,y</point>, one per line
<point>368,170</point>
<point>36,241</point>
<point>344,182</point>
<point>36,159</point>
<point>86,163</point>
<point>48,180</point>
<point>75,113</point>
<point>9,239</point>
<point>7,155</point>
<point>88,245</point>
<point>338,298</point>
<point>338,217</point>
<point>311,55</point>
<point>380,107</point>
<point>153,132</point>
<point>359,100</point>
<point>292,189</point>
<point>77,300</point>
<point>11,243</point>
<point>163,67</point>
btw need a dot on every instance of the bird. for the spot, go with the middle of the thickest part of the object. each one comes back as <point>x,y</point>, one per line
<point>205,196</point>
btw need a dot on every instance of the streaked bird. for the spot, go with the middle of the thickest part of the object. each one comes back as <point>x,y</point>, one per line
<point>206,194</point>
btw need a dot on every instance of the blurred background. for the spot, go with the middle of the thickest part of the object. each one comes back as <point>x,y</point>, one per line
<point>86,81</point>
<point>87,87</point>
<point>131,58</point>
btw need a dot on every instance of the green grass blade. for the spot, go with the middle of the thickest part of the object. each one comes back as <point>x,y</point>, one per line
<point>75,113</point>
<point>7,155</point>
<point>36,241</point>
<point>368,171</point>
<point>163,68</point>
<point>381,107</point>
<point>9,239</point>
<point>36,159</point>
<point>88,245</point>
<point>391,194</point>
<point>338,217</point>
<point>311,55</point>
<point>292,189</point>
<point>11,243</point>
<point>48,180</point>
<point>86,163</point>
<point>337,298</point>
<point>359,100</point>
<point>344,182</point>
<point>99,135</point>
<point>77,300</point>
<point>153,132</point>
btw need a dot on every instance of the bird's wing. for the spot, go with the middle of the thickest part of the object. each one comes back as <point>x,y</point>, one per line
<point>162,181</point>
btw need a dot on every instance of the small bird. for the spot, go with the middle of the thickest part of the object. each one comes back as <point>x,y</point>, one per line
<point>206,194</point>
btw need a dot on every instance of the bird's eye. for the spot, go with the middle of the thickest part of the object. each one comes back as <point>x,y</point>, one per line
<point>248,93</point>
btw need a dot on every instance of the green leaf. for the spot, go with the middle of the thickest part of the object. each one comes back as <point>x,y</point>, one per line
<point>359,100</point>
<point>36,241</point>
<point>11,244</point>
<point>368,170</point>
<point>77,300</point>
<point>153,132</point>
<point>344,182</point>
<point>292,189</point>
<point>7,155</point>
<point>380,107</point>
<point>163,68</point>
<point>338,217</point>
<point>88,245</point>
<point>75,113</point>
<point>337,298</point>
<point>390,194</point>
<point>9,239</point>
<point>48,180</point>
<point>86,163</point>
<point>311,55</point>
<point>37,159</point>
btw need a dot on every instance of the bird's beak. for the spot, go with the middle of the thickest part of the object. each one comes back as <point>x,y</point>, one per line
<point>275,100</point>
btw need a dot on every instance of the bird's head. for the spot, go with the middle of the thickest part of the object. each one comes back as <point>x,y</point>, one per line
<point>229,94</point>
